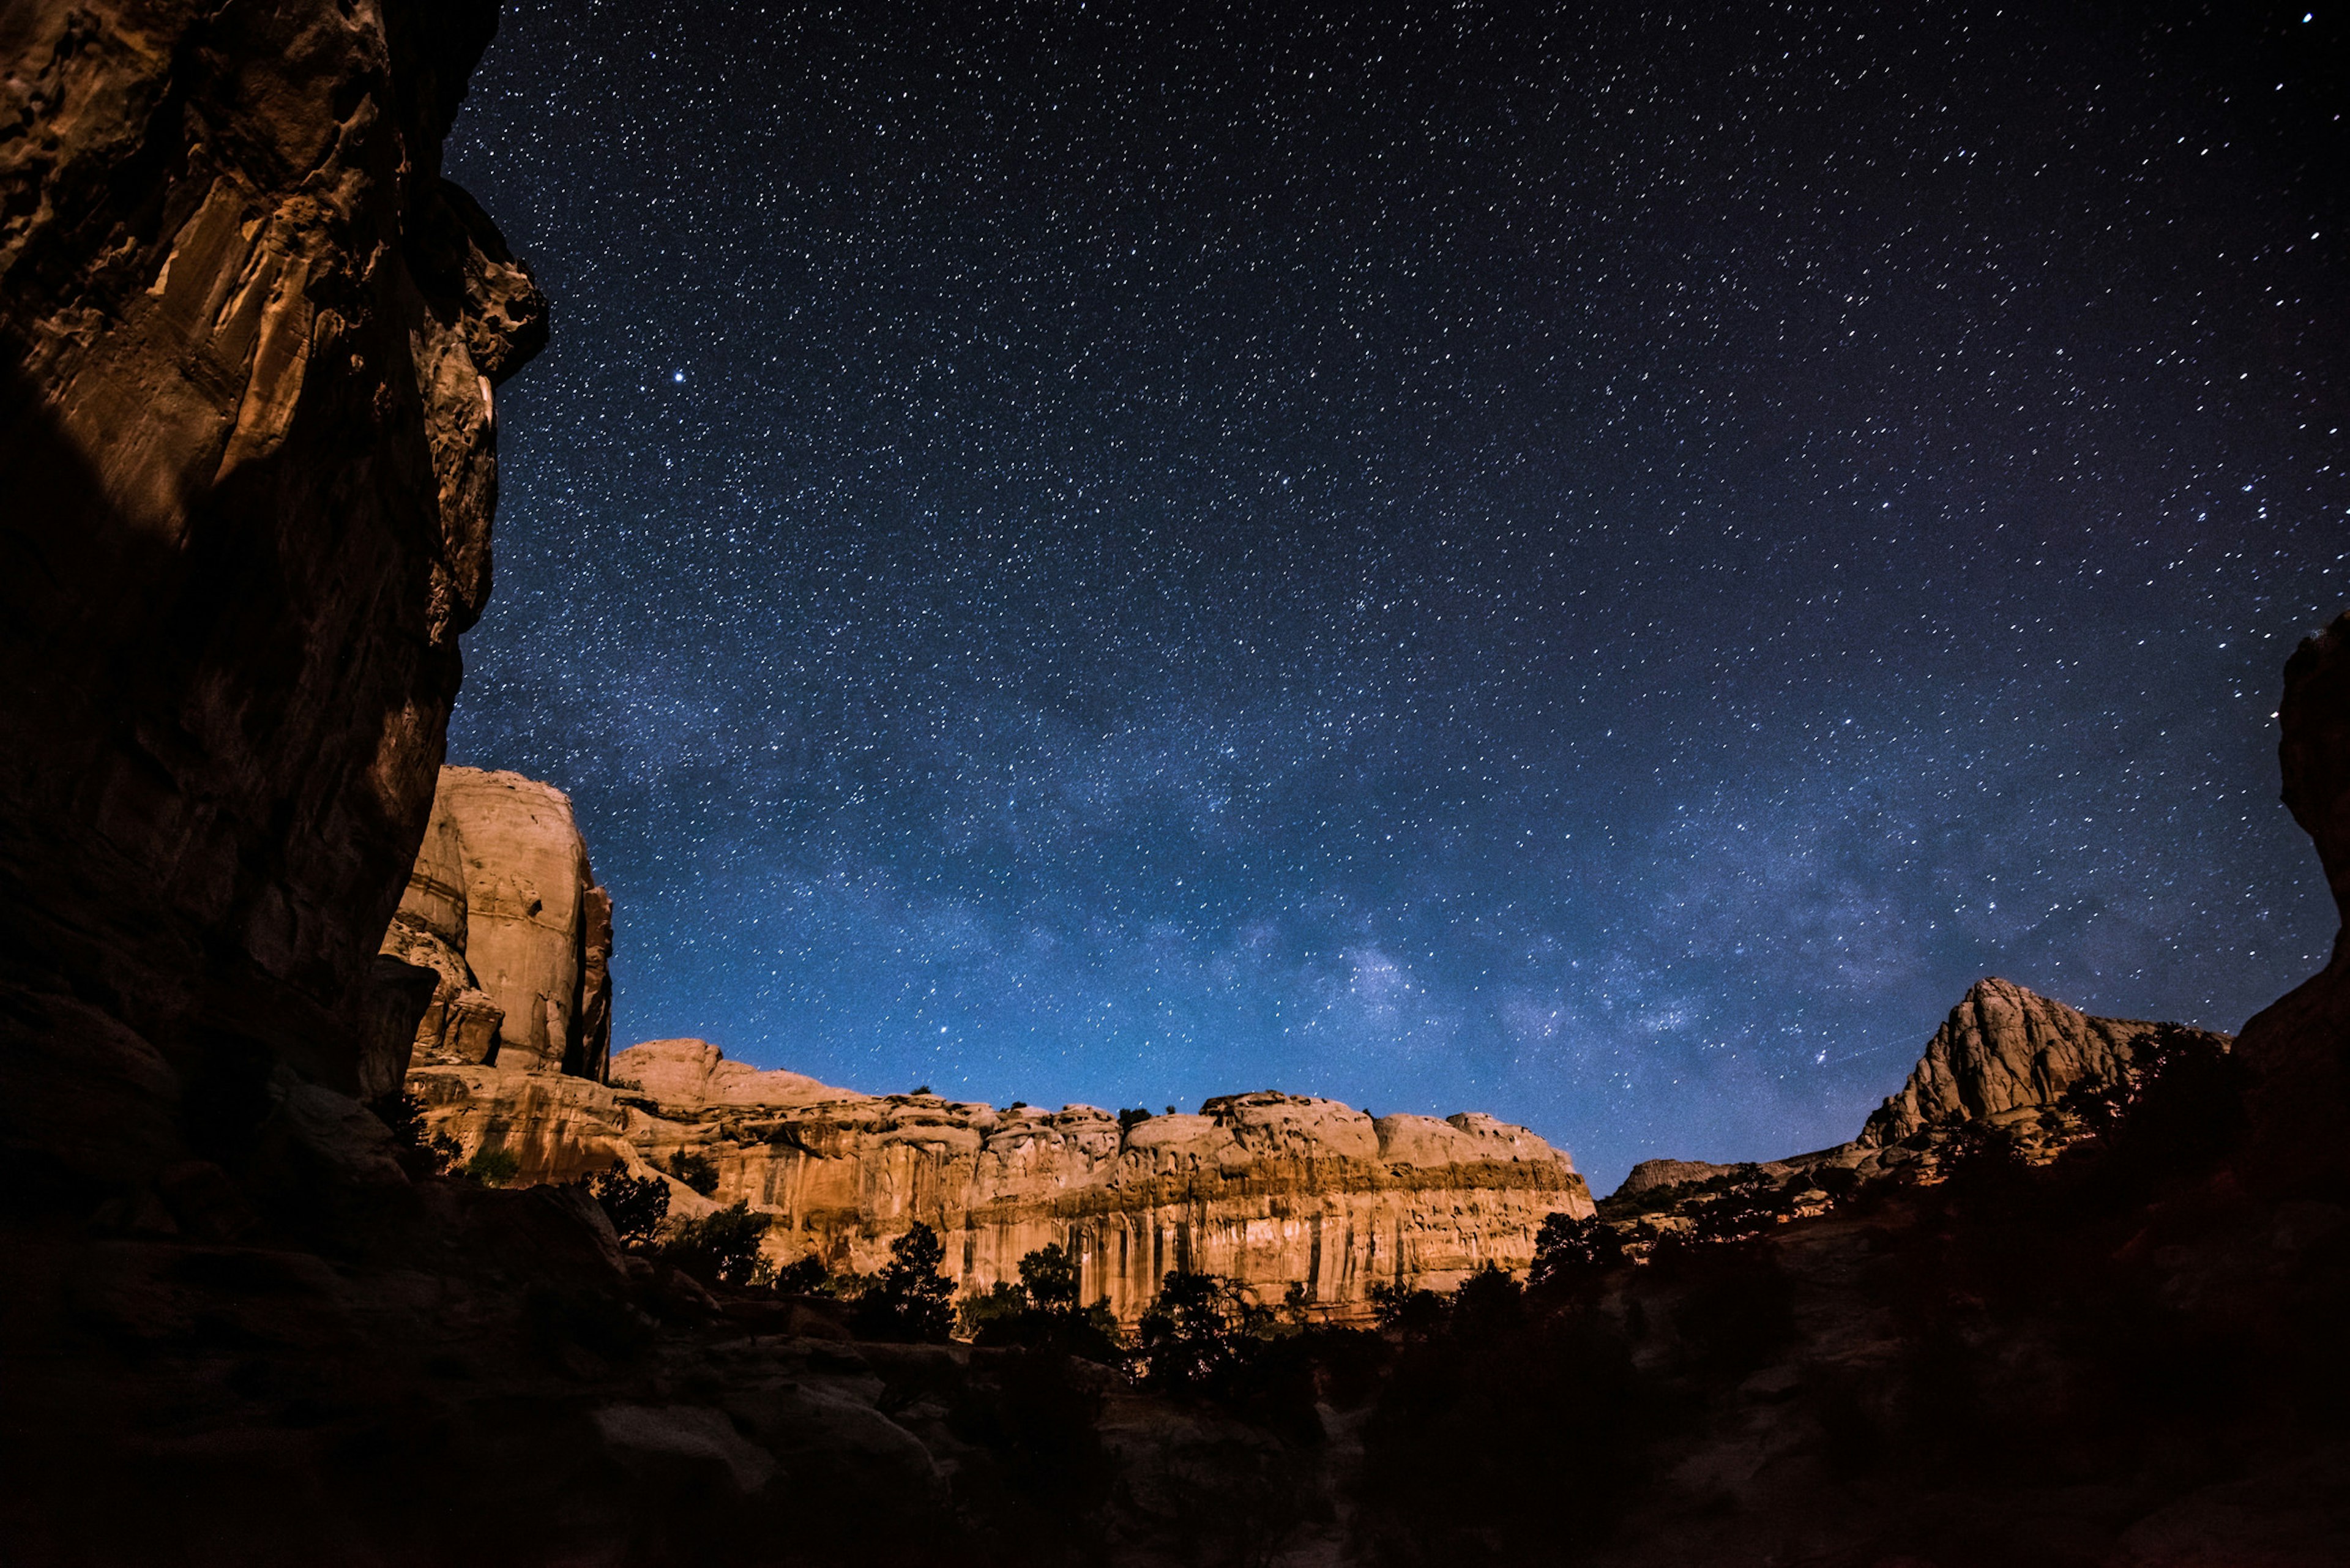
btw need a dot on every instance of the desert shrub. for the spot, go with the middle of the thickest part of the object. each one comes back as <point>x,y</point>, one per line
<point>1041,1312</point>
<point>423,1151</point>
<point>722,1248</point>
<point>698,1171</point>
<point>492,1165</point>
<point>1414,1313</point>
<point>636,1205</point>
<point>1000,1304</point>
<point>804,1276</point>
<point>1130,1119</point>
<point>1049,1276</point>
<point>911,1299</point>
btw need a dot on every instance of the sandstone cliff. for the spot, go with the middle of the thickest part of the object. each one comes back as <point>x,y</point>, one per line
<point>247,341</point>
<point>503,908</point>
<point>1269,1190</point>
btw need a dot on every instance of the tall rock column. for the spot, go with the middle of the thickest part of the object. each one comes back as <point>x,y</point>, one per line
<point>248,335</point>
<point>503,909</point>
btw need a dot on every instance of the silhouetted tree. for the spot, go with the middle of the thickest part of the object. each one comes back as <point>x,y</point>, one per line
<point>1568,1250</point>
<point>720,1248</point>
<point>698,1171</point>
<point>911,1299</point>
<point>803,1276</point>
<point>1188,1338</point>
<point>636,1205</point>
<point>1049,1275</point>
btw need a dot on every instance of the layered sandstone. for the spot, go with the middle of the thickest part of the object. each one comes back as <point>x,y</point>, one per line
<point>1269,1190</point>
<point>504,910</point>
<point>2003,1049</point>
<point>247,341</point>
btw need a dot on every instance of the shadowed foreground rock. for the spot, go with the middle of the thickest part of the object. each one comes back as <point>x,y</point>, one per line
<point>247,342</point>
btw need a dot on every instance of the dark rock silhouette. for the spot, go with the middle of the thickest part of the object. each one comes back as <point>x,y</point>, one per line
<point>247,341</point>
<point>2298,1048</point>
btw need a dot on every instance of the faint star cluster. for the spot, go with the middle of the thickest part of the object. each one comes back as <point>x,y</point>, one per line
<point>1595,562</point>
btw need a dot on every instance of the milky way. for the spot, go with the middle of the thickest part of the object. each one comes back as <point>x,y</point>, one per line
<point>1597,564</point>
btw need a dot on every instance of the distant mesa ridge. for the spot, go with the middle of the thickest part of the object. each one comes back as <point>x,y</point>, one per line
<point>2005,1058</point>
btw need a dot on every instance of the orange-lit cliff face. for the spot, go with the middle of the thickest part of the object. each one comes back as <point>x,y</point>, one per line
<point>1268,1189</point>
<point>248,339</point>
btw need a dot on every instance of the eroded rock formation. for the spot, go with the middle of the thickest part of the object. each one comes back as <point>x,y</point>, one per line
<point>1269,1190</point>
<point>247,341</point>
<point>504,910</point>
<point>2003,1049</point>
<point>2003,1061</point>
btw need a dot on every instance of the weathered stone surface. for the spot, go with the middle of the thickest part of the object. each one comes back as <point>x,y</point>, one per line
<point>689,1071</point>
<point>503,908</point>
<point>2002,1049</point>
<point>2298,1048</point>
<point>1654,1175</point>
<point>1270,1190</point>
<point>247,336</point>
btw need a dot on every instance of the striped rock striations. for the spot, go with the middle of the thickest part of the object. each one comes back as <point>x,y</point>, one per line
<point>504,910</point>
<point>1269,1190</point>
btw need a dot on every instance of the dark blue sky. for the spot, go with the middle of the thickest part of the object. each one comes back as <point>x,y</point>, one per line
<point>1599,565</point>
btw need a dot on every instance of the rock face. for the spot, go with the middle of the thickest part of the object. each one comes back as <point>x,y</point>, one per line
<point>247,339</point>
<point>2004,1059</point>
<point>504,910</point>
<point>2002,1049</point>
<point>2298,1048</point>
<point>1269,1190</point>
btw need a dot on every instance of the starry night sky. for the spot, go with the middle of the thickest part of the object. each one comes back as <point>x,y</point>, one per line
<point>1597,563</point>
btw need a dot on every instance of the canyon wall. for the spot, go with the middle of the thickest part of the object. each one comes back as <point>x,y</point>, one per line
<point>1269,1190</point>
<point>504,910</point>
<point>247,341</point>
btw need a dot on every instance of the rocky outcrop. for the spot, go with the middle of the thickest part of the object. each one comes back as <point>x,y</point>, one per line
<point>2003,1061</point>
<point>503,908</point>
<point>2003,1049</point>
<point>1269,1190</point>
<point>247,341</point>
<point>2297,1050</point>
